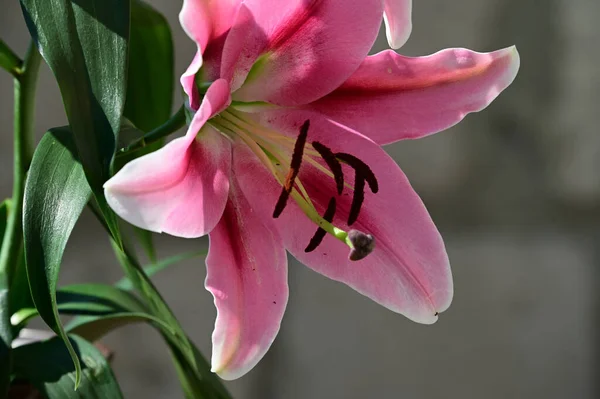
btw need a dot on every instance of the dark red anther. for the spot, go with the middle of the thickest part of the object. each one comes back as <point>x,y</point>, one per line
<point>358,198</point>
<point>363,168</point>
<point>316,240</point>
<point>362,174</point>
<point>294,170</point>
<point>332,162</point>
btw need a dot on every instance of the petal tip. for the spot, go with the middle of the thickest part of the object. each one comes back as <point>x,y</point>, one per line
<point>228,373</point>
<point>514,62</point>
<point>398,22</point>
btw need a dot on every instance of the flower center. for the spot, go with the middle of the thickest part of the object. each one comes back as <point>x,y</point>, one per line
<point>283,156</point>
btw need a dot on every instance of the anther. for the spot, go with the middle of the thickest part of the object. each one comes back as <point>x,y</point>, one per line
<point>363,244</point>
<point>316,240</point>
<point>332,162</point>
<point>294,170</point>
<point>360,166</point>
<point>362,174</point>
<point>358,198</point>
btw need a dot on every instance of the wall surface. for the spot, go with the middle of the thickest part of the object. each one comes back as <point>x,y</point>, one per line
<point>514,191</point>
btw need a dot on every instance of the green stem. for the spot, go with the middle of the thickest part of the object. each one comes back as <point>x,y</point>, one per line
<point>9,60</point>
<point>193,371</point>
<point>175,123</point>
<point>25,86</point>
<point>25,83</point>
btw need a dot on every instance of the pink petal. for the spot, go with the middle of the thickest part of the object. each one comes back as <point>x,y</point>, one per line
<point>205,20</point>
<point>398,24</point>
<point>182,188</point>
<point>300,49</point>
<point>188,80</point>
<point>247,276</point>
<point>408,272</point>
<point>392,97</point>
<point>207,23</point>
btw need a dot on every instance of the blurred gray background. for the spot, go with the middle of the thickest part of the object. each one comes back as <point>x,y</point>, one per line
<point>514,190</point>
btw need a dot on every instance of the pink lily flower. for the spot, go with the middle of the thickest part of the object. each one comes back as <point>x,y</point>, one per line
<point>284,153</point>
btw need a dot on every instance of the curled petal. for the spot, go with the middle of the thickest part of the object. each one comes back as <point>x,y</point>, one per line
<point>206,22</point>
<point>188,81</point>
<point>247,276</point>
<point>398,23</point>
<point>295,51</point>
<point>408,270</point>
<point>181,189</point>
<point>392,97</point>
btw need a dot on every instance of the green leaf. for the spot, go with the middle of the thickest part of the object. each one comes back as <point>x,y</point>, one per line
<point>198,381</point>
<point>151,68</point>
<point>111,297</point>
<point>5,338</point>
<point>146,240</point>
<point>4,209</point>
<point>48,367</point>
<point>9,61</point>
<point>154,268</point>
<point>107,308</point>
<point>194,375</point>
<point>104,308</point>
<point>95,327</point>
<point>149,83</point>
<point>154,300</point>
<point>56,192</point>
<point>85,44</point>
<point>19,294</point>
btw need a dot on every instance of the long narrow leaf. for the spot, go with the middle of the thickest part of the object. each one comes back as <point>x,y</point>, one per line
<point>154,268</point>
<point>99,309</point>
<point>151,68</point>
<point>56,192</point>
<point>85,44</point>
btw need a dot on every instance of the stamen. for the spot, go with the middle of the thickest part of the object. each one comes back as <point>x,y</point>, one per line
<point>363,168</point>
<point>363,244</point>
<point>316,240</point>
<point>294,170</point>
<point>358,198</point>
<point>333,163</point>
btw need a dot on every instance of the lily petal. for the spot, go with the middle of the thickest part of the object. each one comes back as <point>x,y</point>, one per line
<point>392,97</point>
<point>188,80</point>
<point>398,23</point>
<point>206,22</point>
<point>180,189</point>
<point>295,51</point>
<point>408,272</point>
<point>247,276</point>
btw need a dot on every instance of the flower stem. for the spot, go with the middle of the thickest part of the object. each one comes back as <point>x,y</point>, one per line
<point>9,60</point>
<point>12,244</point>
<point>24,97</point>
<point>175,123</point>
